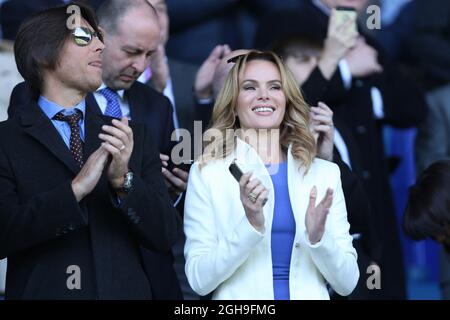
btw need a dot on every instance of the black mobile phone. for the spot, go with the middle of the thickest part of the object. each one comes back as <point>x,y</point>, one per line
<point>185,165</point>
<point>237,174</point>
<point>235,171</point>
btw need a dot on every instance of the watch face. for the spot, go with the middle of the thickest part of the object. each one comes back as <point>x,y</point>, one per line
<point>128,181</point>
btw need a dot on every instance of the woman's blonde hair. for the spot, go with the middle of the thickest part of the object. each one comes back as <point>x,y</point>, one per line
<point>294,128</point>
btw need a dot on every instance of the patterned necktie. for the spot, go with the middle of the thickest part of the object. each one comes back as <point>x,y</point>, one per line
<point>113,106</point>
<point>76,144</point>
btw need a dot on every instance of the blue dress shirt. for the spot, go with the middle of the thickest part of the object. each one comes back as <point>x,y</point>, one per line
<point>51,109</point>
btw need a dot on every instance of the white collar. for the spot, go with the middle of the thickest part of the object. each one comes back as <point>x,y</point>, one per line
<point>119,92</point>
<point>249,158</point>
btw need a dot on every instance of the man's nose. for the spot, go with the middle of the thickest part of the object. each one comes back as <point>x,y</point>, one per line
<point>99,46</point>
<point>140,63</point>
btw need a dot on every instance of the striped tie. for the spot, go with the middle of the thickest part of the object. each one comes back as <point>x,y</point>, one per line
<point>112,107</point>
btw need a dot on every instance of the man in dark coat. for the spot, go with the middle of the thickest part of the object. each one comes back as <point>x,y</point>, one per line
<point>131,36</point>
<point>80,193</point>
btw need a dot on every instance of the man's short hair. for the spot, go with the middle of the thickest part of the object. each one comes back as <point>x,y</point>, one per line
<point>40,40</point>
<point>428,209</point>
<point>111,11</point>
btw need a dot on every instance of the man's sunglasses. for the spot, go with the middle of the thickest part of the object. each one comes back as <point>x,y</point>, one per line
<point>83,36</point>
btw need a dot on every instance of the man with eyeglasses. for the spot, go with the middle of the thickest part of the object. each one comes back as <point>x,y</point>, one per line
<point>80,193</point>
<point>132,33</point>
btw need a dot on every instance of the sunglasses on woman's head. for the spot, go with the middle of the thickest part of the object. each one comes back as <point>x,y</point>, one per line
<point>83,36</point>
<point>235,58</point>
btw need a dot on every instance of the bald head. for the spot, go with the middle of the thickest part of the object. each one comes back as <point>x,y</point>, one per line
<point>130,39</point>
<point>224,68</point>
<point>111,13</point>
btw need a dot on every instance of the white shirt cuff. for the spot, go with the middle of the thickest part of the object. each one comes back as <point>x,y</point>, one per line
<point>377,103</point>
<point>346,75</point>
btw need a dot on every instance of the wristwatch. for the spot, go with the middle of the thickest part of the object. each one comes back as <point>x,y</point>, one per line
<point>127,182</point>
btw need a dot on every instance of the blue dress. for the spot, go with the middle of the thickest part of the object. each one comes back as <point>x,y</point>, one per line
<point>283,231</point>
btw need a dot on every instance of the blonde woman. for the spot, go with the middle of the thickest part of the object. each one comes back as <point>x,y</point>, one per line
<point>265,237</point>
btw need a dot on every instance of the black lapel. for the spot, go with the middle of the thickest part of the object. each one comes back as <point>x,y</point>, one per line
<point>90,100</point>
<point>137,110</point>
<point>39,126</point>
<point>93,126</point>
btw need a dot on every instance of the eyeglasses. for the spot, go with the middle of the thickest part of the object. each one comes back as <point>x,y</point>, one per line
<point>83,36</point>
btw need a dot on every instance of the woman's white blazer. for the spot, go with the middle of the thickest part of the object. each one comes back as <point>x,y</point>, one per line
<point>226,254</point>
